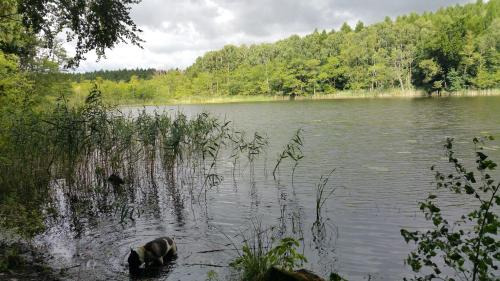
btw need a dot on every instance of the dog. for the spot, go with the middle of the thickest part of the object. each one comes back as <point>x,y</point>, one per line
<point>154,253</point>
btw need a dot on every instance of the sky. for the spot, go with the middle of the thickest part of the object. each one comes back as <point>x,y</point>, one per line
<point>176,32</point>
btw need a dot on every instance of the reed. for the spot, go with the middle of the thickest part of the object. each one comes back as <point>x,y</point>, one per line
<point>293,151</point>
<point>79,148</point>
<point>323,193</point>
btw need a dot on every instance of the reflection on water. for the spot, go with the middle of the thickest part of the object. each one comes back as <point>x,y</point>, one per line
<point>381,150</point>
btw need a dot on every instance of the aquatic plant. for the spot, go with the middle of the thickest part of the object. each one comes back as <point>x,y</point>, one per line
<point>323,193</point>
<point>255,262</point>
<point>251,148</point>
<point>259,254</point>
<point>212,276</point>
<point>256,146</point>
<point>124,212</point>
<point>79,148</point>
<point>292,150</point>
<point>469,248</point>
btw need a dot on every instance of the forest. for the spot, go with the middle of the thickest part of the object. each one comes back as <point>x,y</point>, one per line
<point>453,49</point>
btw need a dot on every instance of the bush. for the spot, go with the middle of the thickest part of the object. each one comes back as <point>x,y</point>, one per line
<point>470,246</point>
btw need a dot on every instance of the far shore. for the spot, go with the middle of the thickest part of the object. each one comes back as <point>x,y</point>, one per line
<point>338,95</point>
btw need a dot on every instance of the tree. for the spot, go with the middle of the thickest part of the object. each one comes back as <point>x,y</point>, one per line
<point>470,58</point>
<point>431,75</point>
<point>455,81</point>
<point>403,37</point>
<point>91,25</point>
<point>346,28</point>
<point>14,85</point>
<point>359,26</point>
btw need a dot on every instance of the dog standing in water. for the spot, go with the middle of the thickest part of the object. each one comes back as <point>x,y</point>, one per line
<point>155,252</point>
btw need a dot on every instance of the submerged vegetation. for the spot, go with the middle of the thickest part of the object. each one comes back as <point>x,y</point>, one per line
<point>453,49</point>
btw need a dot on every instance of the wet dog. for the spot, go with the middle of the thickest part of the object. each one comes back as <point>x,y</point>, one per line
<point>154,253</point>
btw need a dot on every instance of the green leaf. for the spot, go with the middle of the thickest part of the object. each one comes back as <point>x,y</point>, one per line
<point>469,189</point>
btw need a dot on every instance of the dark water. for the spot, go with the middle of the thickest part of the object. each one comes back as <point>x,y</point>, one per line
<point>382,150</point>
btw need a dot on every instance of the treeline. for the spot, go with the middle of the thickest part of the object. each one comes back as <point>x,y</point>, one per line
<point>453,49</point>
<point>115,75</point>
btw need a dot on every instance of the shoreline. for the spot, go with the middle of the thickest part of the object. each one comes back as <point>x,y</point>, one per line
<point>343,95</point>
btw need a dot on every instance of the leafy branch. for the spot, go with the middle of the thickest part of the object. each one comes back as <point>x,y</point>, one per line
<point>469,246</point>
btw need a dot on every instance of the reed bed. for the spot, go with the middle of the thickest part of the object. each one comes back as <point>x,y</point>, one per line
<point>99,158</point>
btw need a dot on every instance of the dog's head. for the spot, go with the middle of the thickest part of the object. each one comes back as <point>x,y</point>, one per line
<point>134,261</point>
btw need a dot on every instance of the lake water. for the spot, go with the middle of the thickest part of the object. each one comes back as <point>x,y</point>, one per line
<point>381,150</point>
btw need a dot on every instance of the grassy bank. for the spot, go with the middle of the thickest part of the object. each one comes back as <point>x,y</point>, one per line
<point>119,99</point>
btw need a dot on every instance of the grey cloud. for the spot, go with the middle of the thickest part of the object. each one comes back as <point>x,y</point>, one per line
<point>153,13</point>
<point>289,16</point>
<point>373,11</point>
<point>264,18</point>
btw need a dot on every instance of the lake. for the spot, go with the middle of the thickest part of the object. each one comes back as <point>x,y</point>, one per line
<point>381,150</point>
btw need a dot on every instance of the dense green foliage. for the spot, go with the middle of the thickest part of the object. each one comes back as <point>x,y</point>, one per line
<point>30,26</point>
<point>469,248</point>
<point>455,48</point>
<point>31,81</point>
<point>31,55</point>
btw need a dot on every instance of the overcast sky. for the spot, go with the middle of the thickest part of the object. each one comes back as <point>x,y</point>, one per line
<point>178,31</point>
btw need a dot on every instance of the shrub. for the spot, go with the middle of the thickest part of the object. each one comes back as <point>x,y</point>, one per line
<point>470,246</point>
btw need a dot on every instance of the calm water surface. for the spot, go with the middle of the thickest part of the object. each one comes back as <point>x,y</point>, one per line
<point>382,150</point>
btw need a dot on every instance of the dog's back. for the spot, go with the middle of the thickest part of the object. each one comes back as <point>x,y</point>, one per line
<point>171,245</point>
<point>157,247</point>
<point>155,253</point>
<point>160,248</point>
